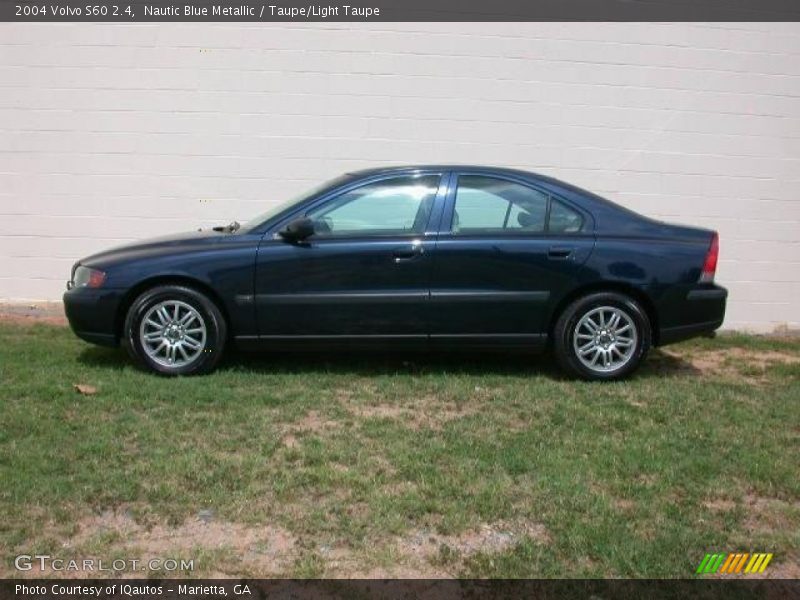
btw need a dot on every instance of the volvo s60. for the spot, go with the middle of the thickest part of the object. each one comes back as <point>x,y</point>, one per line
<point>428,257</point>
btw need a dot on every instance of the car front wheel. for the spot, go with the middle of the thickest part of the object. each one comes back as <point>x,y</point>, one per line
<point>175,330</point>
<point>602,336</point>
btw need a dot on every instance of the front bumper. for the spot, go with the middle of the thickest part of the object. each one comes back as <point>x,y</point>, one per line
<point>92,314</point>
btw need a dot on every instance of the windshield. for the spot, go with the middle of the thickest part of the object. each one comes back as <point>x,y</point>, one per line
<point>287,204</point>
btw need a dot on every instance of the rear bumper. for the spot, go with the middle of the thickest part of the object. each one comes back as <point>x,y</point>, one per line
<point>92,314</point>
<point>704,312</point>
<point>670,335</point>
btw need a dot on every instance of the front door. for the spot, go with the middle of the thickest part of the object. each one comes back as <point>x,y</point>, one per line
<point>506,253</point>
<point>363,275</point>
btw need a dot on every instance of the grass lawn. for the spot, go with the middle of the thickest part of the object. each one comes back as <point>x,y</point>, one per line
<point>489,466</point>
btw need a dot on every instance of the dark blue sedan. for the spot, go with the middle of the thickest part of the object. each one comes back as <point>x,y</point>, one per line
<point>432,256</point>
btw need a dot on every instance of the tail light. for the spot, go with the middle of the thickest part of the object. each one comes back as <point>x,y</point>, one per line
<point>710,264</point>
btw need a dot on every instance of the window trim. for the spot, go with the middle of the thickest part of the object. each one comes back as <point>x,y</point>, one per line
<point>430,228</point>
<point>445,227</point>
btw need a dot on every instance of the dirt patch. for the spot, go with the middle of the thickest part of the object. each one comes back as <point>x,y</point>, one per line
<point>769,514</point>
<point>428,412</point>
<point>737,363</point>
<point>720,505</point>
<point>267,549</point>
<point>720,360</point>
<point>399,488</point>
<point>623,504</point>
<point>425,554</point>
<point>381,411</point>
<point>363,388</point>
<point>271,550</point>
<point>489,539</point>
<point>28,313</point>
<point>312,422</point>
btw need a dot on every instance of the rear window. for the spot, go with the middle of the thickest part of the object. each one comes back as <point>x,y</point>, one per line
<point>563,219</point>
<point>493,206</point>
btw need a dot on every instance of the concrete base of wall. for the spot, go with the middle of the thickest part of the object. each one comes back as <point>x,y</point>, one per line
<point>45,312</point>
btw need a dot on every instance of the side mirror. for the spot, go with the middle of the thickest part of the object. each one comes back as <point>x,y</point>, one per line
<point>298,230</point>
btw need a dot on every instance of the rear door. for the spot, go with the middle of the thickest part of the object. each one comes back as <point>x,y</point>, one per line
<point>506,252</point>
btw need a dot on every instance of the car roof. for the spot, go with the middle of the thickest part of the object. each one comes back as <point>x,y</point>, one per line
<point>388,170</point>
<point>599,207</point>
<point>438,167</point>
<point>555,184</point>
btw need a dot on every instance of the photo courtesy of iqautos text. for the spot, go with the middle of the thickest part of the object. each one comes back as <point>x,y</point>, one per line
<point>399,299</point>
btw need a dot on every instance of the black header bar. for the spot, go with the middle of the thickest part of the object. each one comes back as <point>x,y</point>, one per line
<point>133,11</point>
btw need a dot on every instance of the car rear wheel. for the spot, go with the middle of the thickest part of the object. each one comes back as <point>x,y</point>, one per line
<point>175,330</point>
<point>602,336</point>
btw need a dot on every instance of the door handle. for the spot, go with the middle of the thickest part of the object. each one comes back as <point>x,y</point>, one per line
<point>559,252</point>
<point>407,254</point>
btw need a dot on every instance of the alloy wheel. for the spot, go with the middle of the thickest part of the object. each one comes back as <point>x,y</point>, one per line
<point>173,333</point>
<point>605,339</point>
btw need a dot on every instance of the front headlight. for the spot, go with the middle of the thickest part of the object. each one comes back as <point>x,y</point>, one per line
<point>86,277</point>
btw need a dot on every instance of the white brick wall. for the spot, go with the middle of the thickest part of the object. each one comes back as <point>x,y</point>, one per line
<point>115,132</point>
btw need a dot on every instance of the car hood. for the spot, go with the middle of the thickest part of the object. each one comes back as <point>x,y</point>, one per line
<point>168,244</point>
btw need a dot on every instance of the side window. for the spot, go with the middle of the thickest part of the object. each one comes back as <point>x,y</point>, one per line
<point>563,219</point>
<point>400,205</point>
<point>489,205</point>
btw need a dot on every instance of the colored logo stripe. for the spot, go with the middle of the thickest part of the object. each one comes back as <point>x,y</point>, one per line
<point>758,563</point>
<point>739,563</point>
<point>734,563</point>
<point>711,563</point>
<point>727,564</point>
<point>703,563</point>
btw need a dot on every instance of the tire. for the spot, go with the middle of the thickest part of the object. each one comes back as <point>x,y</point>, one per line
<point>610,350</point>
<point>190,344</point>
